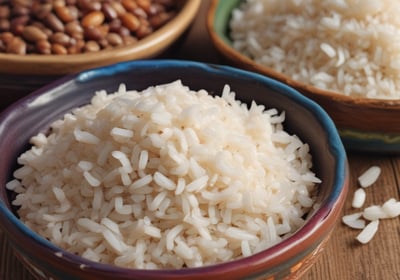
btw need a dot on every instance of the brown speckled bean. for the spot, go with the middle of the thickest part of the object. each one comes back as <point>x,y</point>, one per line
<point>16,46</point>
<point>52,21</point>
<point>130,21</point>
<point>160,19</point>
<point>74,49</point>
<point>58,49</point>
<point>93,33</point>
<point>17,24</point>
<point>124,32</point>
<point>65,13</point>
<point>94,18</point>
<point>6,37</point>
<point>144,30</point>
<point>155,9</point>
<point>58,3</point>
<point>92,46</point>
<point>115,24</point>
<point>119,9</point>
<point>89,5</point>
<point>140,13</point>
<point>103,43</point>
<point>17,29</point>
<point>114,39</point>
<point>33,34</point>
<point>41,11</point>
<point>128,40</point>
<point>60,38</point>
<point>144,4</point>
<point>109,12</point>
<point>73,28</point>
<point>42,27</point>
<point>43,47</point>
<point>129,5</point>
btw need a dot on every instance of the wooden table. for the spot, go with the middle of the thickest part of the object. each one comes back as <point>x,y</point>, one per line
<point>343,258</point>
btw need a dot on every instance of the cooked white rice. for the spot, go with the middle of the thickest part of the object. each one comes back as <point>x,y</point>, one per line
<point>165,178</point>
<point>349,46</point>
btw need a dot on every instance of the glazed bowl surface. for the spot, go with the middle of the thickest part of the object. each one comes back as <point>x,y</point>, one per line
<point>288,259</point>
<point>21,74</point>
<point>365,124</point>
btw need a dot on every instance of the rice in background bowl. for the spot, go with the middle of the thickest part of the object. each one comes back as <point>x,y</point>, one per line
<point>54,261</point>
<point>344,46</point>
<point>341,54</point>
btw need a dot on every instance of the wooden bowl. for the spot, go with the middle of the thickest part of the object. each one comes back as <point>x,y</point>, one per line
<point>365,125</point>
<point>289,258</point>
<point>22,74</point>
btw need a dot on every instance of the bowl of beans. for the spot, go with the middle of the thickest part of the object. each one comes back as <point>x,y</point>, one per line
<point>41,40</point>
<point>169,169</point>
<point>333,52</point>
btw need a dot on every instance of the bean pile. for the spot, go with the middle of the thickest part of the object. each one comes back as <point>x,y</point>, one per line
<point>78,26</point>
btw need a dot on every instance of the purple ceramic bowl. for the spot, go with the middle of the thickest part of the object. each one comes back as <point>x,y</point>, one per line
<point>289,258</point>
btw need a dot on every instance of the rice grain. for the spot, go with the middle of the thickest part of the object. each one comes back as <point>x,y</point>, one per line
<point>368,232</point>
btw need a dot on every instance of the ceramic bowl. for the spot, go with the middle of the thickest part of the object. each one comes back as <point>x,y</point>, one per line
<point>365,125</point>
<point>289,258</point>
<point>21,74</point>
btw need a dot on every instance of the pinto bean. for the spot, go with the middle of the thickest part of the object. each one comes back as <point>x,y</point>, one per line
<point>94,18</point>
<point>33,34</point>
<point>16,46</point>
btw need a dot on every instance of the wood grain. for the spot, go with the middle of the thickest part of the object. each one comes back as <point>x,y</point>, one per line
<point>343,258</point>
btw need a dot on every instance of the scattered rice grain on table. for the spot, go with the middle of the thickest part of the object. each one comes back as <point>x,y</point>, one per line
<point>369,176</point>
<point>167,177</point>
<point>349,46</point>
<point>373,213</point>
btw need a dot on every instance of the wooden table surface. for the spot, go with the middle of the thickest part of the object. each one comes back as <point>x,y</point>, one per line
<point>343,257</point>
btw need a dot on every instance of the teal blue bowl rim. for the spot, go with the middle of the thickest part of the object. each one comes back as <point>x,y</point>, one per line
<point>335,144</point>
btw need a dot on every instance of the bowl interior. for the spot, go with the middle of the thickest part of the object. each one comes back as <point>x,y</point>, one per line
<point>364,124</point>
<point>303,117</point>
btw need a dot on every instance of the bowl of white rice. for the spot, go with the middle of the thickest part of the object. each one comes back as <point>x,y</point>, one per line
<point>166,169</point>
<point>342,54</point>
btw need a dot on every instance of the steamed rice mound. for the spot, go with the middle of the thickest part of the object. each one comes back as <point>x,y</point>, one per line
<point>165,178</point>
<point>348,46</point>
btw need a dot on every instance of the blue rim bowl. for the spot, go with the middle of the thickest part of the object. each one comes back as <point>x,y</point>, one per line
<point>309,121</point>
